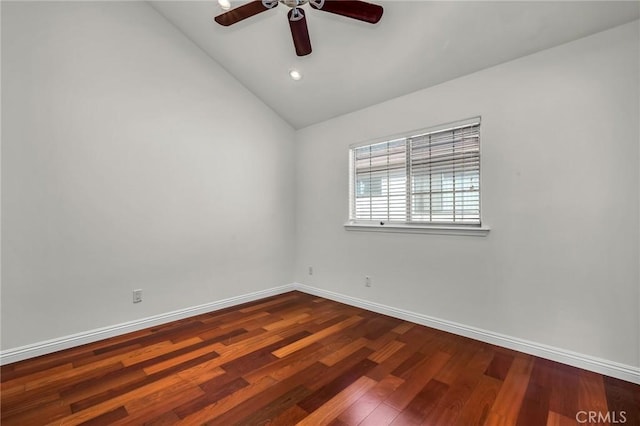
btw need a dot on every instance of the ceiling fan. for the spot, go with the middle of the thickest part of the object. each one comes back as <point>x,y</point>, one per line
<point>360,10</point>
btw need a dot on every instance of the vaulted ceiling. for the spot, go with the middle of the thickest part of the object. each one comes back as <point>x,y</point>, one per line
<point>417,44</point>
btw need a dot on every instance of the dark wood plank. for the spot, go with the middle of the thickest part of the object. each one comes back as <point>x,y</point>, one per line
<point>288,417</point>
<point>214,390</point>
<point>279,405</point>
<point>535,406</point>
<point>623,397</point>
<point>107,418</point>
<point>164,419</point>
<point>499,367</point>
<point>49,411</point>
<point>423,403</point>
<point>328,391</point>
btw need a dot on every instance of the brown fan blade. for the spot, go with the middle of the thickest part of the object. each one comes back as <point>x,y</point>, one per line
<point>299,31</point>
<point>359,10</point>
<point>245,11</point>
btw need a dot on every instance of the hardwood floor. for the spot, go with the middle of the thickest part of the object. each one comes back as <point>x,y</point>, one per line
<point>298,359</point>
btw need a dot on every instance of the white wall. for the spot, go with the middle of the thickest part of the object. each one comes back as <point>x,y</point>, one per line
<point>560,160</point>
<point>130,160</point>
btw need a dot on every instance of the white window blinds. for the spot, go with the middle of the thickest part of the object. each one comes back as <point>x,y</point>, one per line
<point>430,177</point>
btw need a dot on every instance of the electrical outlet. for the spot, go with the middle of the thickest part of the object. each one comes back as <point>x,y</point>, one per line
<point>137,296</point>
<point>367,281</point>
<point>310,270</point>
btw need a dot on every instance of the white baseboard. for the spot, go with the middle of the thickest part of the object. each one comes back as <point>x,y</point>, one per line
<point>49,346</point>
<point>586,362</point>
<point>598,365</point>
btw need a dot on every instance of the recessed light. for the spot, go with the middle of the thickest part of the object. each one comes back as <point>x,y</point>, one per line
<point>295,74</point>
<point>224,4</point>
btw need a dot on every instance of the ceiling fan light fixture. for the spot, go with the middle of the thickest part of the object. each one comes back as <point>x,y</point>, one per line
<point>295,74</point>
<point>224,4</point>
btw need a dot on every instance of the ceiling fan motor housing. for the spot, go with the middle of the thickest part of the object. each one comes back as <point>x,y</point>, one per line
<point>294,3</point>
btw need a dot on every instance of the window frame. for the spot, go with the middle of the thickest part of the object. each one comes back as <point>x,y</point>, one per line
<point>448,228</point>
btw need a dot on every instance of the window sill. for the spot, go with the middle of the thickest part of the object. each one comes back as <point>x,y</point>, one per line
<point>475,231</point>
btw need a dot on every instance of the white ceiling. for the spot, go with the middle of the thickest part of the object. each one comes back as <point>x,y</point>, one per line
<point>416,44</point>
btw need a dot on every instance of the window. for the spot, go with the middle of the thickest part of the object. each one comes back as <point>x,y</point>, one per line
<point>430,177</point>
